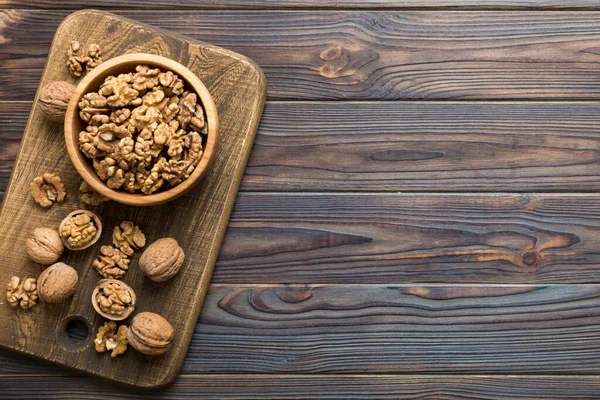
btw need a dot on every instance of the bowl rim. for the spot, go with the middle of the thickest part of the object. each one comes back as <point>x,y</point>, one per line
<point>81,163</point>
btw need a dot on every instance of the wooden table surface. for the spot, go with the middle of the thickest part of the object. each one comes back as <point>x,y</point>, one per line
<point>420,216</point>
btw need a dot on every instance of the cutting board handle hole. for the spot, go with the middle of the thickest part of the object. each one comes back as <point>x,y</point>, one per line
<point>74,332</point>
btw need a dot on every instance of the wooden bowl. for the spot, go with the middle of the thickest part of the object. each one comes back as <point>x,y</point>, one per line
<point>74,124</point>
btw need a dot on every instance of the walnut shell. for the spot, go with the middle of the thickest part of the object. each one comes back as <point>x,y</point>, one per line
<point>150,334</point>
<point>57,283</point>
<point>95,219</point>
<point>44,246</point>
<point>162,259</point>
<point>54,99</point>
<point>119,310</point>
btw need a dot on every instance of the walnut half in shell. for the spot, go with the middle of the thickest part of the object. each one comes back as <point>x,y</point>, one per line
<point>113,299</point>
<point>80,230</point>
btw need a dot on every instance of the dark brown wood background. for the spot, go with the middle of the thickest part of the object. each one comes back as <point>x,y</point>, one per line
<point>420,216</point>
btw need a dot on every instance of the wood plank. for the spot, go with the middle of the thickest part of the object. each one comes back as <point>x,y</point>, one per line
<point>424,146</point>
<point>259,386</point>
<point>405,146</point>
<point>393,328</point>
<point>504,238</point>
<point>308,4</point>
<point>409,55</point>
<point>238,90</point>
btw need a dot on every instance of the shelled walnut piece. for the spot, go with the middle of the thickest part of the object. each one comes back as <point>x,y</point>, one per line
<point>22,293</point>
<point>79,56</point>
<point>80,229</point>
<point>144,132</point>
<point>112,263</point>
<point>47,189</point>
<point>128,237</point>
<point>113,299</point>
<point>89,196</point>
<point>109,338</point>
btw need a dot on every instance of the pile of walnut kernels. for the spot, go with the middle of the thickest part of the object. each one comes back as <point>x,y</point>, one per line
<point>145,131</point>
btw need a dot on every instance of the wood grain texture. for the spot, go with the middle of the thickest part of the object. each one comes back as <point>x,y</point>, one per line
<point>325,386</point>
<point>309,4</point>
<point>238,89</point>
<point>410,55</point>
<point>389,328</point>
<point>13,117</point>
<point>412,238</point>
<point>380,329</point>
<point>406,146</point>
<point>426,146</point>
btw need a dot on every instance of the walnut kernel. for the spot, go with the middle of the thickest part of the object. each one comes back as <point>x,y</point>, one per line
<point>89,196</point>
<point>112,263</point>
<point>78,57</point>
<point>128,237</point>
<point>109,338</point>
<point>22,293</point>
<point>47,189</point>
<point>75,58</point>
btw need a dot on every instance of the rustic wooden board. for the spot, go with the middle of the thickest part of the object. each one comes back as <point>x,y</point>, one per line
<point>308,4</point>
<point>325,386</point>
<point>406,146</point>
<point>198,220</point>
<point>409,55</point>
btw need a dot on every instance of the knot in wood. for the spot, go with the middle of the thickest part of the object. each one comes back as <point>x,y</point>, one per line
<point>531,258</point>
<point>331,53</point>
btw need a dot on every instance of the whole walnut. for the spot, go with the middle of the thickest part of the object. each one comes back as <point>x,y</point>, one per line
<point>57,283</point>
<point>150,334</point>
<point>54,99</point>
<point>162,260</point>
<point>44,246</point>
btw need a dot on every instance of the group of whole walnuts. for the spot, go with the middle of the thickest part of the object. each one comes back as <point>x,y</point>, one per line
<point>144,131</point>
<point>148,332</point>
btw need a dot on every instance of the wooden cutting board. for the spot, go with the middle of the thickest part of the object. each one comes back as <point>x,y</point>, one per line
<point>198,220</point>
